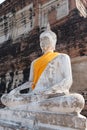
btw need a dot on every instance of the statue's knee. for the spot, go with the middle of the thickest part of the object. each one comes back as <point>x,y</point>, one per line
<point>77,102</point>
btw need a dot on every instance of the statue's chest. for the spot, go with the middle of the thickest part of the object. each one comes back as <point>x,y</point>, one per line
<point>51,75</point>
<point>53,69</point>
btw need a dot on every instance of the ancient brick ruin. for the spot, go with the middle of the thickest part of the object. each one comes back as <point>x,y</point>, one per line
<point>22,21</point>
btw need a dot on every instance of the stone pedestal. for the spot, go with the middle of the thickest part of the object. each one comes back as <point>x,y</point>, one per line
<point>39,120</point>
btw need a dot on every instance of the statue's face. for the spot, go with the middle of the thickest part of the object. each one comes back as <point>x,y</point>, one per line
<point>45,44</point>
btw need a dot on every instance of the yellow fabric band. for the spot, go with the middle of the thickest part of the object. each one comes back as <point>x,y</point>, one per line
<point>40,64</point>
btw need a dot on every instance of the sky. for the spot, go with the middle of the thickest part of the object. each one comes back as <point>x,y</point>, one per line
<point>1,1</point>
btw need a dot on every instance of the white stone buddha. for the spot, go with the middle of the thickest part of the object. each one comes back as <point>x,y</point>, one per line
<point>50,80</point>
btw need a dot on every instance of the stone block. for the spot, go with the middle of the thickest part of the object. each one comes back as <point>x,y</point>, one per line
<point>37,120</point>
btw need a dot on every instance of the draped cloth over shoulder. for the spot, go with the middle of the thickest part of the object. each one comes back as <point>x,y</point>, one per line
<point>41,64</point>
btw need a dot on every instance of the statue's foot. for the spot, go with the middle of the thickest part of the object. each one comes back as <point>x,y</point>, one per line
<point>16,100</point>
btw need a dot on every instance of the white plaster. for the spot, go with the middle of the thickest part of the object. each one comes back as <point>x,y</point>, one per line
<point>25,8</point>
<point>4,38</point>
<point>51,2</point>
<point>44,9</point>
<point>15,31</point>
<point>53,127</point>
<point>62,9</point>
<point>27,118</point>
<point>55,79</point>
<point>81,8</point>
<point>50,98</point>
<point>17,78</point>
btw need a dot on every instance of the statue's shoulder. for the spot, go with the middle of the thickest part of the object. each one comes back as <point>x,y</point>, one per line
<point>63,56</point>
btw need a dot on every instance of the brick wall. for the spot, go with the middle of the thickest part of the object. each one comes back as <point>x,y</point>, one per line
<point>17,55</point>
<point>79,67</point>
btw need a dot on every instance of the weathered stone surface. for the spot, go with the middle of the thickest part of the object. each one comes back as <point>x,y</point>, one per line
<point>71,33</point>
<point>41,120</point>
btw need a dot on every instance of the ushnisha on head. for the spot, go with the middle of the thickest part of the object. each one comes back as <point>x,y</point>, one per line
<point>48,40</point>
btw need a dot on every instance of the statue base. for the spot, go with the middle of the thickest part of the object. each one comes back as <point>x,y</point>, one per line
<point>39,120</point>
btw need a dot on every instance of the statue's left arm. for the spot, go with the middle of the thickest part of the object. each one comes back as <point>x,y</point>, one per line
<point>66,72</point>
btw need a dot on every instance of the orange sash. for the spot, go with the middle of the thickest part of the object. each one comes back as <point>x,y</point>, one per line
<point>41,64</point>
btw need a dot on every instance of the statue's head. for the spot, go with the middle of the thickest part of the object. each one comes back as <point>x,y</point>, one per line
<point>48,40</point>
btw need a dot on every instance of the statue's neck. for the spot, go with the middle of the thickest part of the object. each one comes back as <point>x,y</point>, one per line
<point>48,51</point>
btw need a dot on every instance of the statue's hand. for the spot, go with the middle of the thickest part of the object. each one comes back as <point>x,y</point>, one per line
<point>22,87</point>
<point>49,93</point>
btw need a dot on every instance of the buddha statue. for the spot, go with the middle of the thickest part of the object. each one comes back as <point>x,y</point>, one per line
<point>49,82</point>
